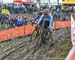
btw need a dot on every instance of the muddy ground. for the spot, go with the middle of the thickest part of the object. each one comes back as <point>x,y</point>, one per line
<point>22,48</point>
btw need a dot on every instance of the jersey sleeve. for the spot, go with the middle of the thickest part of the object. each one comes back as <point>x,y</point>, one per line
<point>41,18</point>
<point>51,21</point>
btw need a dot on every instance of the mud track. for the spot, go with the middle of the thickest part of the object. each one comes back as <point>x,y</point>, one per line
<point>22,49</point>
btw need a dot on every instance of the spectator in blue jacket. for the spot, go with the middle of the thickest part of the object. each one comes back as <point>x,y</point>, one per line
<point>3,20</point>
<point>20,22</point>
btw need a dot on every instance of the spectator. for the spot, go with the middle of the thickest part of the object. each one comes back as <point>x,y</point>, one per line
<point>12,21</point>
<point>41,10</point>
<point>15,19</point>
<point>0,8</point>
<point>16,8</point>
<point>30,9</point>
<point>24,18</point>
<point>58,14</point>
<point>54,15</point>
<point>20,22</point>
<point>7,22</point>
<point>5,11</point>
<point>3,20</point>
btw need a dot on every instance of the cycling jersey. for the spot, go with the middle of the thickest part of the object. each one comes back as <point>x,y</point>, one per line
<point>46,21</point>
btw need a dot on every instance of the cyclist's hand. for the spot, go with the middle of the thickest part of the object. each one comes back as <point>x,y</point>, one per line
<point>37,27</point>
<point>51,29</point>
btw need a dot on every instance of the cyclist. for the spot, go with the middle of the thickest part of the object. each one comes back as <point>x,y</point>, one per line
<point>46,20</point>
<point>46,24</point>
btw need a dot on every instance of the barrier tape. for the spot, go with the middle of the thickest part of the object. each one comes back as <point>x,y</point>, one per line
<point>28,29</point>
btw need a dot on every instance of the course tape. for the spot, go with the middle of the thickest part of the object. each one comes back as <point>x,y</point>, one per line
<point>28,29</point>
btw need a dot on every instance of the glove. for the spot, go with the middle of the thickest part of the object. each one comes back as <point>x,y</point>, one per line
<point>51,29</point>
<point>37,27</point>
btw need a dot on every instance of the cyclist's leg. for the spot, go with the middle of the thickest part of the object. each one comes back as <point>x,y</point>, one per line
<point>46,31</point>
<point>51,35</point>
<point>44,35</point>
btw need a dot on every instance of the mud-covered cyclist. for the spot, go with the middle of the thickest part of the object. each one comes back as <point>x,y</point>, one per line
<point>46,20</point>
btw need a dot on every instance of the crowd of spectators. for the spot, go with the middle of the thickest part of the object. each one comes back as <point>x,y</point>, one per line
<point>57,13</point>
<point>19,8</point>
<point>9,21</point>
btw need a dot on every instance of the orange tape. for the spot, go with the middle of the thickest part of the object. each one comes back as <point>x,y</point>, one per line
<point>19,31</point>
<point>3,35</point>
<point>13,33</point>
<point>28,29</point>
<point>62,24</point>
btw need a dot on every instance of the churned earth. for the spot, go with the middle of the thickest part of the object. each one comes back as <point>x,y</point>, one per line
<point>22,48</point>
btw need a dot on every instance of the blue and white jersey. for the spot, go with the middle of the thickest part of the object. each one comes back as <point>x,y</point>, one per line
<point>46,18</point>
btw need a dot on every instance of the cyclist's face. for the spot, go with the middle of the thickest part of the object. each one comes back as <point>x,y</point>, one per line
<point>46,12</point>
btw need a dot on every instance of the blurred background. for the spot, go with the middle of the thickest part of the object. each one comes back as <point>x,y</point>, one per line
<point>13,10</point>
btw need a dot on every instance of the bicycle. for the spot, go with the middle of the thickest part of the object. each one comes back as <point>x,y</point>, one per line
<point>42,37</point>
<point>46,36</point>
